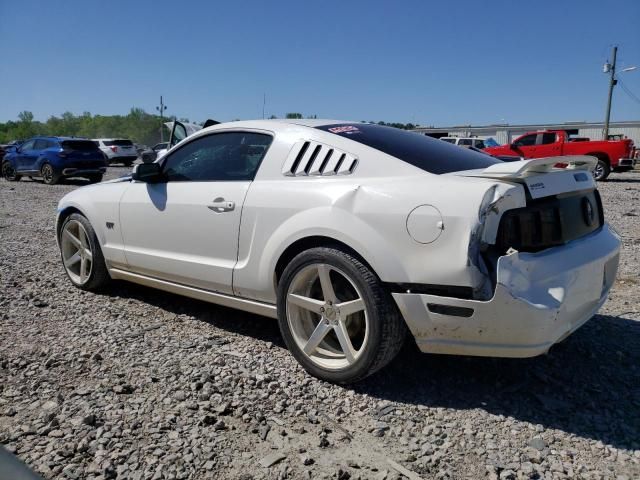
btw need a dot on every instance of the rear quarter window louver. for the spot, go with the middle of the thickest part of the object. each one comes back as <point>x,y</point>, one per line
<point>309,158</point>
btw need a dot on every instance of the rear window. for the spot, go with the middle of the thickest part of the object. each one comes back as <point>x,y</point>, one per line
<point>118,143</point>
<point>81,145</point>
<point>426,153</point>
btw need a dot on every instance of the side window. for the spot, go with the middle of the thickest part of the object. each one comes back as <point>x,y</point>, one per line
<point>40,144</point>
<point>480,144</point>
<point>547,138</point>
<point>231,156</point>
<point>526,141</point>
<point>466,142</point>
<point>27,145</point>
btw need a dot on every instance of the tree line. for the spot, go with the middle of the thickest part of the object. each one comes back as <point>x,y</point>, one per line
<point>138,126</point>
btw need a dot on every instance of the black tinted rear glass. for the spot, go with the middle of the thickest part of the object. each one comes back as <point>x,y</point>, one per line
<point>82,145</point>
<point>118,143</point>
<point>426,153</point>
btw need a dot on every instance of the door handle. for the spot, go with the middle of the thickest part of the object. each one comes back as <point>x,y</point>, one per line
<point>220,205</point>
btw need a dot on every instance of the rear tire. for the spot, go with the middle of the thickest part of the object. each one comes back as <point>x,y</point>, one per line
<point>9,173</point>
<point>81,255</point>
<point>601,171</point>
<point>49,175</point>
<point>315,292</point>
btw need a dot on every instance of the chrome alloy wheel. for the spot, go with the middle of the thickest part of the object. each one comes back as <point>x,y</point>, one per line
<point>76,252</point>
<point>47,173</point>
<point>327,316</point>
<point>598,171</point>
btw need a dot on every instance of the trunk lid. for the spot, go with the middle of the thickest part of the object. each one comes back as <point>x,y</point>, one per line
<point>543,177</point>
<point>562,202</point>
<point>121,147</point>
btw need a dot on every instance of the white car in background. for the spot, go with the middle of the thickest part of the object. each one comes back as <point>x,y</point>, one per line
<point>352,235</point>
<point>465,141</point>
<point>118,150</point>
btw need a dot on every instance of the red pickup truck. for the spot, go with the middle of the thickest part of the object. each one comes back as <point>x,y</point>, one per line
<point>612,155</point>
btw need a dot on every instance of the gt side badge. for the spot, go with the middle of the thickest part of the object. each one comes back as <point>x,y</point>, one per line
<point>110,225</point>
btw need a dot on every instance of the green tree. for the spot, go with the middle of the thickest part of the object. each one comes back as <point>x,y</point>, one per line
<point>137,125</point>
<point>25,117</point>
<point>293,115</point>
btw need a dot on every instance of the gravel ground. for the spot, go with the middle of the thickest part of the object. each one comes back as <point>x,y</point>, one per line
<point>136,383</point>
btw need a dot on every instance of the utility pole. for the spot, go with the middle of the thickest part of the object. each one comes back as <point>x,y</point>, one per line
<point>611,69</point>
<point>161,109</point>
<point>264,102</point>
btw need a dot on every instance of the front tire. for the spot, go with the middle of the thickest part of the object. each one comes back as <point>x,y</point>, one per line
<point>9,172</point>
<point>335,316</point>
<point>601,171</point>
<point>49,175</point>
<point>81,254</point>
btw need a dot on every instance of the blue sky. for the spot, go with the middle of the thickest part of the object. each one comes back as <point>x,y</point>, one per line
<point>433,63</point>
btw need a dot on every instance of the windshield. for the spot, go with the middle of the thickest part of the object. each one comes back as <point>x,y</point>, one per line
<point>118,143</point>
<point>426,153</point>
<point>82,145</point>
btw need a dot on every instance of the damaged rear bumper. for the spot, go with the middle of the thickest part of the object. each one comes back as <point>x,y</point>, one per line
<point>540,298</point>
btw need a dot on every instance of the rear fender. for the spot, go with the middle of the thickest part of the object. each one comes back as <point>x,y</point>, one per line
<point>319,222</point>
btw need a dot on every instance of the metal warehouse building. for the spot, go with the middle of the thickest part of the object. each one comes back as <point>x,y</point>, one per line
<point>505,133</point>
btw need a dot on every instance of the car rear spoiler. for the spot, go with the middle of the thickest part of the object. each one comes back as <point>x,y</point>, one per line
<point>524,168</point>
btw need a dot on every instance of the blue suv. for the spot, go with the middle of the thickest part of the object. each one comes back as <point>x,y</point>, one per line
<point>54,158</point>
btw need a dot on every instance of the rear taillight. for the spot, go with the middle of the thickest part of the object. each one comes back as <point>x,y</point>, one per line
<point>114,149</point>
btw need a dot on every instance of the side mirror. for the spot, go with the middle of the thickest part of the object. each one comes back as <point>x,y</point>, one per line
<point>148,173</point>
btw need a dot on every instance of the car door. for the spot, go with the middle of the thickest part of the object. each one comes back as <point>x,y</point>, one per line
<point>178,133</point>
<point>185,228</point>
<point>38,149</point>
<point>547,146</point>
<point>27,156</point>
<point>525,146</point>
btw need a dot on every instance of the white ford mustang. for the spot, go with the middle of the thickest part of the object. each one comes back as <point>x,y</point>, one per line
<point>352,235</point>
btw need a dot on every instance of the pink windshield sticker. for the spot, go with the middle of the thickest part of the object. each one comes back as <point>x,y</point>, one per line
<point>344,129</point>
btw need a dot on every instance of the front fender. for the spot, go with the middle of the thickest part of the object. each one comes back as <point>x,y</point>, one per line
<point>100,204</point>
<point>11,158</point>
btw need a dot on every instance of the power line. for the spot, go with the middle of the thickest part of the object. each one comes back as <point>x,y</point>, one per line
<point>628,92</point>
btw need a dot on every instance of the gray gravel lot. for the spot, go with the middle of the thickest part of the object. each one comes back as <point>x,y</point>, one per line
<point>136,383</point>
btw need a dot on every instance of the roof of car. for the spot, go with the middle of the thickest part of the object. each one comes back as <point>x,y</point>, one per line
<point>110,139</point>
<point>280,122</point>
<point>312,122</point>
<point>54,137</point>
